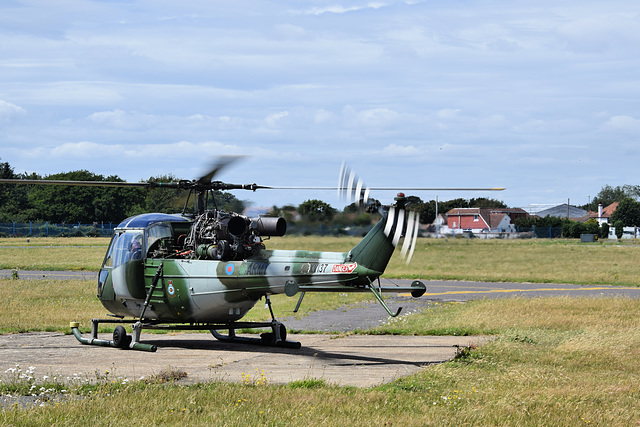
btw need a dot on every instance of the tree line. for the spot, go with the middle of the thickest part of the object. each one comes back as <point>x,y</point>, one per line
<point>74,204</point>
<point>56,204</point>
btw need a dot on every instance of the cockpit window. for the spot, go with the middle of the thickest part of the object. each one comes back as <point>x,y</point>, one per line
<point>128,246</point>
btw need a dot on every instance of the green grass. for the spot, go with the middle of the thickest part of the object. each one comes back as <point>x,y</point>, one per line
<point>57,302</point>
<point>552,361</point>
<point>50,253</point>
<point>536,261</point>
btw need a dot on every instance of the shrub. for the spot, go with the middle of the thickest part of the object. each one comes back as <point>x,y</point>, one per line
<point>619,226</point>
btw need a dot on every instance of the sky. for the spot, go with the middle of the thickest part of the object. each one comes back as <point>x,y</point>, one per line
<point>539,97</point>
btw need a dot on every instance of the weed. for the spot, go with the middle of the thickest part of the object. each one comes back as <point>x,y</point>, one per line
<point>169,375</point>
<point>308,383</point>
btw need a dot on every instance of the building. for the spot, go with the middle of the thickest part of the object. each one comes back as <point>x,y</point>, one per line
<point>604,214</point>
<point>481,220</point>
<point>563,211</point>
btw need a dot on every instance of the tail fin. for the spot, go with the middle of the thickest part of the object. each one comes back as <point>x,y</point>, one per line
<point>375,249</point>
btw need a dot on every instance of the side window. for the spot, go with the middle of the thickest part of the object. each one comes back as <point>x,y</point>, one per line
<point>157,232</point>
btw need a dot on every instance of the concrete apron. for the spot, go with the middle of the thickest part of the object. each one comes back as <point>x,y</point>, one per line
<point>353,360</point>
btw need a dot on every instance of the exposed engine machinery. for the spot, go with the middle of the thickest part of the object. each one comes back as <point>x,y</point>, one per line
<point>226,236</point>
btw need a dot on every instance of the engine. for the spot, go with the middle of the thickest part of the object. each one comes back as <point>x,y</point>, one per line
<point>219,235</point>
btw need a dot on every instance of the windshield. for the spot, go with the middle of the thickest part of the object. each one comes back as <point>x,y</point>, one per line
<point>126,246</point>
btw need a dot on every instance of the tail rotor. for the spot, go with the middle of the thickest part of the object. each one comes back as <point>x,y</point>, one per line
<point>398,222</point>
<point>395,224</point>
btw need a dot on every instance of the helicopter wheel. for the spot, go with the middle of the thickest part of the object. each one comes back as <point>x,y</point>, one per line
<point>120,337</point>
<point>269,338</point>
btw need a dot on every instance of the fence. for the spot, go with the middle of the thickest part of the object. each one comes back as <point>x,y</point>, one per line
<point>46,229</point>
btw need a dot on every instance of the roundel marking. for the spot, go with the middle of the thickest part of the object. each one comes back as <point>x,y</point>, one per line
<point>229,269</point>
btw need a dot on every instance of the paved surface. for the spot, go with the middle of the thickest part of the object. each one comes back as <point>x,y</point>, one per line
<point>465,291</point>
<point>57,275</point>
<point>356,360</point>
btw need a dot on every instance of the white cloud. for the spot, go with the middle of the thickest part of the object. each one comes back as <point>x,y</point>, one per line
<point>395,150</point>
<point>623,123</point>
<point>123,120</point>
<point>8,110</point>
<point>275,120</point>
<point>339,9</point>
<point>509,89</point>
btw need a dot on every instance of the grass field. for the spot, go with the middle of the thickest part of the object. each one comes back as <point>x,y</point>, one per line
<point>552,361</point>
<point>537,261</point>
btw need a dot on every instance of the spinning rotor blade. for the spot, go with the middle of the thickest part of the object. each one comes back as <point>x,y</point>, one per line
<point>396,224</point>
<point>410,236</point>
<point>80,183</point>
<point>220,163</point>
<point>350,186</point>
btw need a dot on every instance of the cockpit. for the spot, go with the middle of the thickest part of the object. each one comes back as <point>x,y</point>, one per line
<point>134,238</point>
<point>135,235</point>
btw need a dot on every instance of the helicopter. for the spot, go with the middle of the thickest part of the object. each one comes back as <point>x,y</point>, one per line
<point>206,269</point>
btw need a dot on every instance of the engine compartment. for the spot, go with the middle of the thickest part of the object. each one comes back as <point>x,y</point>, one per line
<point>218,235</point>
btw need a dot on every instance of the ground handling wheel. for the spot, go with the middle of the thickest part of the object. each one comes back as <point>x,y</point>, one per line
<point>120,337</point>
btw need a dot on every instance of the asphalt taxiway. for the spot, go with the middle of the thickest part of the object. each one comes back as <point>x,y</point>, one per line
<point>353,360</point>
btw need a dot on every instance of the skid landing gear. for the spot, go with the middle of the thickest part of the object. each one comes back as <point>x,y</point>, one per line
<point>276,338</point>
<point>120,337</point>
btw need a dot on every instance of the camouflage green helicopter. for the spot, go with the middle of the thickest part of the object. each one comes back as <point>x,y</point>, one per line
<point>205,271</point>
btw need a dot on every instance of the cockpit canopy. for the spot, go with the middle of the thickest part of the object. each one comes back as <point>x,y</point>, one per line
<point>135,235</point>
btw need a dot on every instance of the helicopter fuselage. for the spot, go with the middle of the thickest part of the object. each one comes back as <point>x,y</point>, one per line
<point>190,289</point>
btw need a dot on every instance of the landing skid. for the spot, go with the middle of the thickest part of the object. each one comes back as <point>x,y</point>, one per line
<point>276,338</point>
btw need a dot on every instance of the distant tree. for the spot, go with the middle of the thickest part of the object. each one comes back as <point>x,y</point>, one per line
<point>536,221</point>
<point>316,210</point>
<point>604,231</point>
<point>609,194</point>
<point>628,212</point>
<point>58,203</point>
<point>6,190</point>
<point>228,202</point>
<point>483,202</point>
<point>163,200</point>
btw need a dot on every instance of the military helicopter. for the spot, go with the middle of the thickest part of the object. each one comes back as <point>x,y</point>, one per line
<point>205,270</point>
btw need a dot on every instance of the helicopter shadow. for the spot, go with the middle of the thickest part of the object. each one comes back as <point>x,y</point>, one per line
<point>349,356</point>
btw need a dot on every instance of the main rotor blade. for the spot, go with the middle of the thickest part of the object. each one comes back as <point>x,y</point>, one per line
<point>385,188</point>
<point>80,183</point>
<point>220,163</point>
